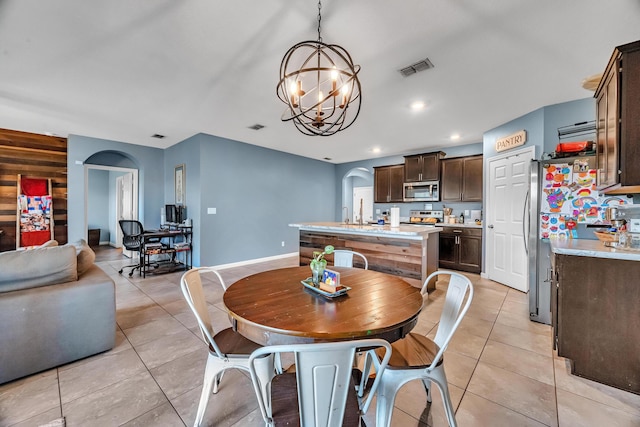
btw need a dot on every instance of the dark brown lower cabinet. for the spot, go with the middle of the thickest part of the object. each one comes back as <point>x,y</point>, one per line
<point>461,249</point>
<point>595,309</point>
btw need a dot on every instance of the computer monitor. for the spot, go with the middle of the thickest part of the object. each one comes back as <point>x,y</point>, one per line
<point>171,214</point>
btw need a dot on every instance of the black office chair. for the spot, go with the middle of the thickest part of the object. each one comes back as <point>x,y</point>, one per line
<point>132,240</point>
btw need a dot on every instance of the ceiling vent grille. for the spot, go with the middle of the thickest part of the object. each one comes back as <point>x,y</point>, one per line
<point>257,126</point>
<point>425,64</point>
<point>157,135</point>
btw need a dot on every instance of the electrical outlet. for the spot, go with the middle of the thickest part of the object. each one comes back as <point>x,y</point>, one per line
<point>283,243</point>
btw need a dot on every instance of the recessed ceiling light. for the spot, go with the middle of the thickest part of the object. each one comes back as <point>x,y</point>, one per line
<point>418,105</point>
<point>376,150</point>
<point>455,136</point>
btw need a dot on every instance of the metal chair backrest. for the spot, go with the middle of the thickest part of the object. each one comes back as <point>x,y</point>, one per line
<point>452,314</point>
<point>344,258</point>
<point>131,234</point>
<point>323,375</point>
<point>191,285</point>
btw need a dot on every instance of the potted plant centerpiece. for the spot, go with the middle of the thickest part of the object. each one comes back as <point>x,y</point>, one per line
<point>318,263</point>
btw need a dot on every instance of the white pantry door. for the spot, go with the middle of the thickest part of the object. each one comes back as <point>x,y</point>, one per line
<point>506,256</point>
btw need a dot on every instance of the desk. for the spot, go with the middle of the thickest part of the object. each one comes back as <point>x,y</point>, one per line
<point>173,249</point>
<point>273,307</point>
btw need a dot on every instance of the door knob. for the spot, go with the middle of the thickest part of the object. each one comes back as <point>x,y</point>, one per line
<point>490,226</point>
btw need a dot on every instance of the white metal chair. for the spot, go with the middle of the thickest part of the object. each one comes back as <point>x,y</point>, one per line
<point>227,348</point>
<point>344,258</point>
<point>320,392</point>
<point>418,357</point>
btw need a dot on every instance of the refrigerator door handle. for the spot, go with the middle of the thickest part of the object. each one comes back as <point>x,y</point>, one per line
<point>524,226</point>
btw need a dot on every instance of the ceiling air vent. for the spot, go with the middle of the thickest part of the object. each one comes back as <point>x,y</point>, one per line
<point>257,126</point>
<point>425,64</point>
<point>157,135</point>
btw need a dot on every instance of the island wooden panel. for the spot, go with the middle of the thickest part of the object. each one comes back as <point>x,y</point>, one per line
<point>413,260</point>
<point>31,155</point>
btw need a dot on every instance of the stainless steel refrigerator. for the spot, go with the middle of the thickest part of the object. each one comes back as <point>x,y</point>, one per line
<point>537,245</point>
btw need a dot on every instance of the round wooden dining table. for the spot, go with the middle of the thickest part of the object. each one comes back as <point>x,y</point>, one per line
<point>273,307</point>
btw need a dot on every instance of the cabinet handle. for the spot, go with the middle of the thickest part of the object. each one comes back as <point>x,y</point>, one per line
<point>457,231</point>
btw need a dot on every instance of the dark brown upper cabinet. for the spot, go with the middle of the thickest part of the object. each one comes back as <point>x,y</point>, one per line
<point>618,122</point>
<point>462,179</point>
<point>388,183</point>
<point>422,167</point>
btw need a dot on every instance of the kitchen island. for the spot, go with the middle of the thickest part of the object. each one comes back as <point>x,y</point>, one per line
<point>409,251</point>
<point>595,306</point>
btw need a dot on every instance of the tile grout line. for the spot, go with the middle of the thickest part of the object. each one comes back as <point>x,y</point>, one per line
<point>478,362</point>
<point>480,355</point>
<point>142,361</point>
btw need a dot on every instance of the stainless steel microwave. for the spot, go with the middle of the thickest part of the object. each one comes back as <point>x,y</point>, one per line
<point>428,191</point>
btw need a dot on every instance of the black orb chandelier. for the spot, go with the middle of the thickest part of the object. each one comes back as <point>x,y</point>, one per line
<point>319,83</point>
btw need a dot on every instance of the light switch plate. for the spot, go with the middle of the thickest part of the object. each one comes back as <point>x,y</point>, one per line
<point>211,211</point>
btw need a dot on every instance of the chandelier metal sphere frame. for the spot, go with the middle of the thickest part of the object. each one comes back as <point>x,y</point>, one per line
<point>319,83</point>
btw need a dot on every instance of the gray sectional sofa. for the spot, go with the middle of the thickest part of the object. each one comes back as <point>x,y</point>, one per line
<point>56,306</point>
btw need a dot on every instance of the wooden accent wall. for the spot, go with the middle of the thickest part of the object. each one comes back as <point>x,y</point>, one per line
<point>31,155</point>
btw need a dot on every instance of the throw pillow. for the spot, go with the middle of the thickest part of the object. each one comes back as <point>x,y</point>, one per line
<point>86,256</point>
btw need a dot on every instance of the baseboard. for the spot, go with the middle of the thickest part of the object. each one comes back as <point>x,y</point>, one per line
<point>255,261</point>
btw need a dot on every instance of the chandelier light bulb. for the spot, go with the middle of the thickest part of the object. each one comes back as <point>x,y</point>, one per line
<point>334,79</point>
<point>320,99</point>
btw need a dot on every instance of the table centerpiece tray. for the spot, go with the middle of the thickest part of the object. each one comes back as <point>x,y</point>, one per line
<point>341,289</point>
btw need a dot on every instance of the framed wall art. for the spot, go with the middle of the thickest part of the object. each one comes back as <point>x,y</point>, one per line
<point>179,180</point>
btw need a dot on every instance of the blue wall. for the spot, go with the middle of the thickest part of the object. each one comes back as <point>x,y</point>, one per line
<point>98,201</point>
<point>257,193</point>
<point>147,160</point>
<point>541,126</point>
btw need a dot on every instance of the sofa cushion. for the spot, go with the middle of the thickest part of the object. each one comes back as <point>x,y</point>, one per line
<point>49,244</point>
<point>37,267</point>
<point>86,255</point>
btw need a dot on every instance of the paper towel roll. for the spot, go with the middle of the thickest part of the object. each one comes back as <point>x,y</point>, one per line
<point>394,217</point>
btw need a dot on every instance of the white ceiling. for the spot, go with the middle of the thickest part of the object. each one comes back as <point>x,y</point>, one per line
<point>124,70</point>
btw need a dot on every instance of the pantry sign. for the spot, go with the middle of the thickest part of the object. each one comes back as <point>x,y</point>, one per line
<point>512,141</point>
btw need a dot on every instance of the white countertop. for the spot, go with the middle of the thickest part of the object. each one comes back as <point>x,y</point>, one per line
<point>591,248</point>
<point>403,231</point>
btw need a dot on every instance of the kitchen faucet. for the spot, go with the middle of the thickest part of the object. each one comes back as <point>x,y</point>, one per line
<point>346,218</point>
<point>360,220</point>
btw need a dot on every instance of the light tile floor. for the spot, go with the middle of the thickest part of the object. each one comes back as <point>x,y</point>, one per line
<point>500,366</point>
